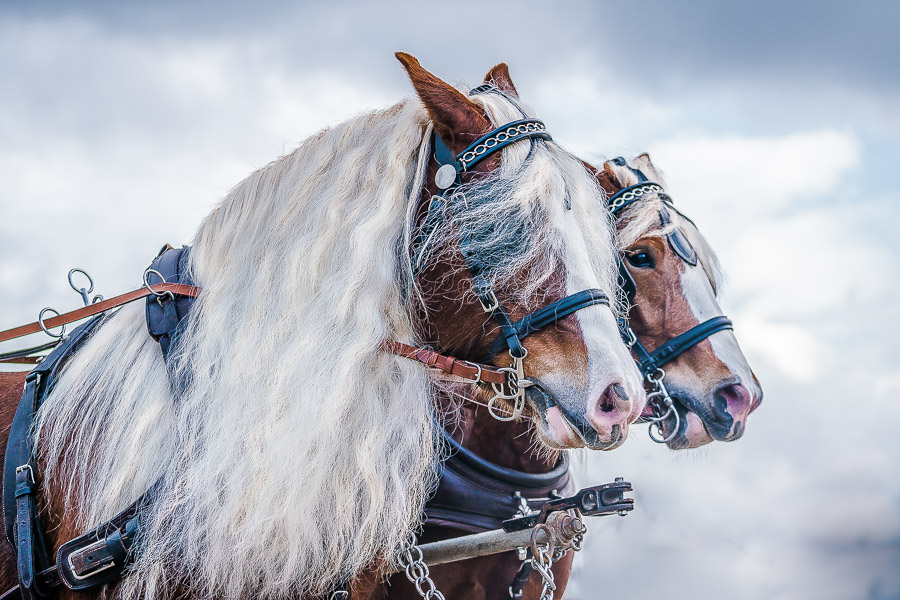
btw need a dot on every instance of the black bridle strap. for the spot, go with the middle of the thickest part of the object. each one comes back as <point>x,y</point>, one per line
<point>675,347</point>
<point>547,315</point>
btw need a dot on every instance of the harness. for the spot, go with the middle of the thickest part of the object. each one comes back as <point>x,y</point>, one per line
<point>476,495</point>
<point>651,362</point>
<point>104,554</point>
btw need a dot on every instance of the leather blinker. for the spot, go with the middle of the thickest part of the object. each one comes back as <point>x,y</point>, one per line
<point>677,240</point>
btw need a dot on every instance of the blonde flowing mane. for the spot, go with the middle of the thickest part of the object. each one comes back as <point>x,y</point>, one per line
<point>294,452</point>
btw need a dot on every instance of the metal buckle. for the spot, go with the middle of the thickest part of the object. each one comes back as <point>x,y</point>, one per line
<point>478,374</point>
<point>26,467</point>
<point>85,571</point>
<point>492,304</point>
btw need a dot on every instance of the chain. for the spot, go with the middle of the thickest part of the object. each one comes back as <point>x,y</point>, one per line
<point>500,137</point>
<point>633,194</point>
<point>542,562</point>
<point>410,559</point>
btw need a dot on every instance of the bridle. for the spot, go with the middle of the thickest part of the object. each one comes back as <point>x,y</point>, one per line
<point>448,179</point>
<point>651,362</point>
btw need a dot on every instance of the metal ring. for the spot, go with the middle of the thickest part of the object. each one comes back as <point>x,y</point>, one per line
<point>89,278</point>
<point>659,375</point>
<point>158,295</point>
<point>533,544</point>
<point>671,436</point>
<point>61,335</point>
<point>493,412</point>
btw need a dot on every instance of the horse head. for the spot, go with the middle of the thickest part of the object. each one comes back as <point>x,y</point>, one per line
<point>674,281</point>
<point>519,238</point>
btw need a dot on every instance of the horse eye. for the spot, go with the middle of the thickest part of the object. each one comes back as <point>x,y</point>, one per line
<point>640,260</point>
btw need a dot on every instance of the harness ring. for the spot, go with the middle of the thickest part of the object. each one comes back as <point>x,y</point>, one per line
<point>159,295</point>
<point>61,335</point>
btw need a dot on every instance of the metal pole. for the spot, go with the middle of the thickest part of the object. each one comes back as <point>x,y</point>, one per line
<point>478,544</point>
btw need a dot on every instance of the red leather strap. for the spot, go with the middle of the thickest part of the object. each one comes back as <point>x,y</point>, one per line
<point>447,364</point>
<point>99,307</point>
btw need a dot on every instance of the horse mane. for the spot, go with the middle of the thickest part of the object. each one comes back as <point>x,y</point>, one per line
<point>642,219</point>
<point>294,452</point>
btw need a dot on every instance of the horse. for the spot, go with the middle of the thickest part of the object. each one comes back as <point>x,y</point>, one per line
<point>292,434</point>
<point>675,277</point>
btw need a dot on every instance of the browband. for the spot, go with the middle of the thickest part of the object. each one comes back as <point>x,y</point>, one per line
<point>500,138</point>
<point>626,196</point>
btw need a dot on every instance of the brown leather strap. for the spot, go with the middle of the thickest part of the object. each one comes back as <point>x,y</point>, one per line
<point>474,372</point>
<point>99,307</point>
<point>21,360</point>
<point>447,364</point>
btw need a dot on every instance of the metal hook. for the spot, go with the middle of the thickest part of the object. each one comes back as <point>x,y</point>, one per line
<point>660,400</point>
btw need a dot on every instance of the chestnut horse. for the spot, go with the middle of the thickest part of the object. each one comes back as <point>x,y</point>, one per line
<point>712,386</point>
<point>293,440</point>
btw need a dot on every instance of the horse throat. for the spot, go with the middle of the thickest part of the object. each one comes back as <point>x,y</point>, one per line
<point>507,444</point>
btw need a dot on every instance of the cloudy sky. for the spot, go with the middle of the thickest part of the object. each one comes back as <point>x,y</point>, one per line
<point>776,123</point>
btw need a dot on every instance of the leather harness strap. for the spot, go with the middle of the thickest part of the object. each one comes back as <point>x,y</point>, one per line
<point>100,307</point>
<point>474,372</point>
<point>475,495</point>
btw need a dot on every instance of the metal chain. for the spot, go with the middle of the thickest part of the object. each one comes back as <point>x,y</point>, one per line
<point>498,138</point>
<point>410,559</point>
<point>633,194</point>
<point>542,562</point>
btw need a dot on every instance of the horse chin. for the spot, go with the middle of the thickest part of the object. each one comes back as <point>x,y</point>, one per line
<point>556,430</point>
<point>692,431</point>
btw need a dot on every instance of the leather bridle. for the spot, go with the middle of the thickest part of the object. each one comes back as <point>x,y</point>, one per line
<point>447,179</point>
<point>651,362</point>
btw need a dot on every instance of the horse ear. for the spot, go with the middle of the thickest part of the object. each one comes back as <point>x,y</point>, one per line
<point>499,77</point>
<point>643,162</point>
<point>607,179</point>
<point>646,166</point>
<point>453,114</point>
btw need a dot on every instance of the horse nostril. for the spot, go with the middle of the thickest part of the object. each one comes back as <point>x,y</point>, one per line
<point>608,401</point>
<point>734,399</point>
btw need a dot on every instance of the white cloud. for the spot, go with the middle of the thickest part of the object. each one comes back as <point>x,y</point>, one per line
<point>737,177</point>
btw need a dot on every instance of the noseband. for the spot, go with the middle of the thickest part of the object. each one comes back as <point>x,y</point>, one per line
<point>448,178</point>
<point>651,362</point>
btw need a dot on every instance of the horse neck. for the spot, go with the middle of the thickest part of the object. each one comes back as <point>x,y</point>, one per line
<point>507,444</point>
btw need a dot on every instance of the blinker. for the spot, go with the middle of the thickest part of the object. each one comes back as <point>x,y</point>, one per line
<point>677,240</point>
